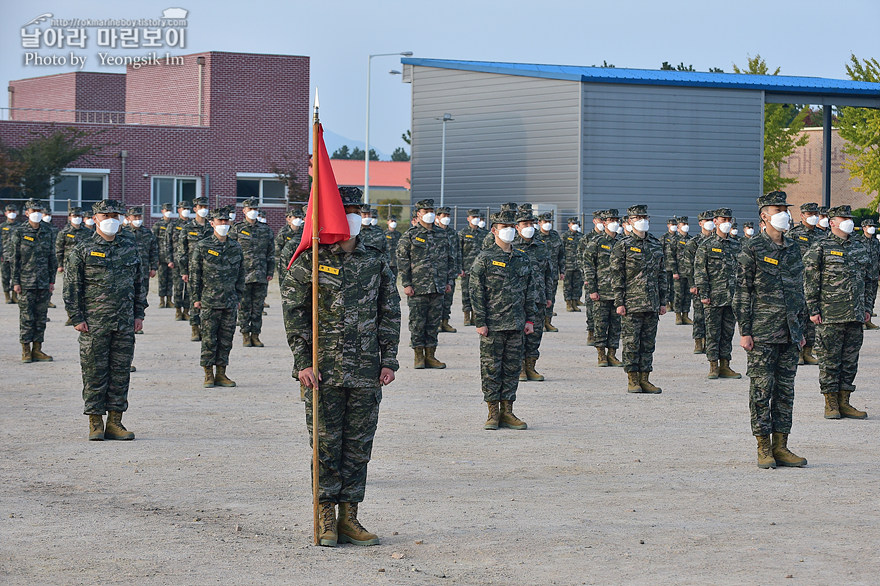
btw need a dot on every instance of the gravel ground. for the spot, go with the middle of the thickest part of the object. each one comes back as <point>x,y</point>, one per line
<point>604,486</point>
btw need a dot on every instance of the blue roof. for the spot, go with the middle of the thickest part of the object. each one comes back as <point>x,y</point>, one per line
<point>770,83</point>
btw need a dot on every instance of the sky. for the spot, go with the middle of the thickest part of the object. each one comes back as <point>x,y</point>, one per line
<point>805,38</point>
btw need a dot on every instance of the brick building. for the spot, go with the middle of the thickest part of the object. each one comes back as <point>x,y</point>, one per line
<point>220,125</point>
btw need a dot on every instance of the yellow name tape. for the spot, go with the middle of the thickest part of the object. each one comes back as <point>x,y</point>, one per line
<point>245,233</point>
<point>682,242</point>
<point>570,238</point>
<point>498,263</point>
<point>388,236</point>
<point>420,239</point>
<point>772,261</point>
<point>836,252</point>
<point>29,238</point>
<point>193,233</point>
<point>804,238</point>
<point>214,252</point>
<point>71,236</point>
<point>163,227</point>
<point>326,269</point>
<point>98,254</point>
<point>634,249</point>
<point>466,235</point>
<point>606,247</point>
<point>717,250</point>
<point>178,227</point>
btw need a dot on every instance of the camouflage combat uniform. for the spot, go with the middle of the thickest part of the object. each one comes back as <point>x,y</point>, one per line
<point>874,246</point>
<point>258,247</point>
<point>668,240</point>
<point>34,266</point>
<point>164,274</point>
<point>190,235</point>
<point>715,280</point>
<point>675,263</point>
<point>581,251</point>
<point>285,235</point>
<point>597,279</point>
<point>6,251</point>
<point>148,249</point>
<point>67,238</point>
<point>686,266</point>
<point>540,259</point>
<point>452,237</point>
<point>804,236</point>
<point>469,239</point>
<point>173,238</point>
<point>573,280</point>
<point>553,241</point>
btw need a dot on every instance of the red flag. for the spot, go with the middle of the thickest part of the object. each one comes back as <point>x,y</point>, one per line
<point>332,223</point>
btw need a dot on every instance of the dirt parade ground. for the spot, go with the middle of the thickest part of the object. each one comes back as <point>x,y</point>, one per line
<point>604,486</point>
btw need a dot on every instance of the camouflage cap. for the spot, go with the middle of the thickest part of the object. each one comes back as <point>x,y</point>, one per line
<point>707,215</point>
<point>597,214</point>
<point>33,204</point>
<point>811,207</point>
<point>723,213</point>
<point>76,211</point>
<point>374,213</point>
<point>547,216</point>
<point>351,195</point>
<point>823,210</point>
<point>444,210</point>
<point>295,212</point>
<point>392,218</point>
<point>11,208</point>
<point>748,224</point>
<point>524,206</point>
<point>682,219</point>
<point>869,222</point>
<point>511,206</point>
<point>525,216</point>
<point>200,201</point>
<point>473,212</point>
<point>774,198</point>
<point>425,204</point>
<point>183,205</point>
<point>573,220</point>
<point>504,217</point>
<point>672,220</point>
<point>844,211</point>
<point>166,207</point>
<point>251,202</point>
<point>365,208</point>
<point>135,211</point>
<point>220,213</point>
<point>637,210</point>
<point>87,213</point>
<point>108,206</point>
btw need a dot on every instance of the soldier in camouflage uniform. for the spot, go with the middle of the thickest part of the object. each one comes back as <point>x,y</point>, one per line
<point>748,230</point>
<point>358,356</point>
<point>640,298</point>
<point>392,239</point>
<point>427,265</point>
<point>191,233</point>
<point>163,271</point>
<point>217,278</point>
<point>804,234</point>
<point>675,262</point>
<point>489,240</point>
<point>503,295</point>
<point>571,269</point>
<point>47,219</point>
<point>148,246</point>
<point>707,228</point>
<point>104,296</point>
<point>715,281</point>
<point>73,233</point>
<point>598,287</point>
<point>823,222</point>
<point>553,240</point>
<point>667,240</point>
<point>444,219</point>
<point>838,287</point>
<point>6,253</point>
<point>292,230</point>
<point>178,269</point>
<point>539,256</point>
<point>371,235</point>
<point>469,239</point>
<point>34,267</point>
<point>598,230</point>
<point>769,305</point>
<point>869,230</point>
<point>258,247</point>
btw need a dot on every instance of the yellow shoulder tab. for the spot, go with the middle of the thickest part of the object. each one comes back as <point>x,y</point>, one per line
<point>420,239</point>
<point>836,252</point>
<point>98,254</point>
<point>214,252</point>
<point>634,249</point>
<point>326,269</point>
<point>717,250</point>
<point>498,263</point>
<point>772,261</point>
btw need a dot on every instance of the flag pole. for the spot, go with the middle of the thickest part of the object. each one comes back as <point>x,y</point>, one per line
<point>313,209</point>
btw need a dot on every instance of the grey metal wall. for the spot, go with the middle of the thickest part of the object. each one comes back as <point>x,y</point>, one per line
<point>679,150</point>
<point>513,138</point>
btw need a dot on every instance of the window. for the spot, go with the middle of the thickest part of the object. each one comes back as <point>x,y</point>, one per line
<point>80,187</point>
<point>172,190</point>
<point>264,186</point>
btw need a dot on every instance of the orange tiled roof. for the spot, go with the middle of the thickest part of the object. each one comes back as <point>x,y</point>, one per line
<point>382,173</point>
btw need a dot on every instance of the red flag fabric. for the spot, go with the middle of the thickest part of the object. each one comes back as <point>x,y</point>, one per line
<point>332,223</point>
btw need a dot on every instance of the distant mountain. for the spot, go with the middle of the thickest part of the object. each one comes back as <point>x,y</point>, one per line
<point>333,141</point>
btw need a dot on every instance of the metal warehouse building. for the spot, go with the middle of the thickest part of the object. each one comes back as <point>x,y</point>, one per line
<point>575,139</point>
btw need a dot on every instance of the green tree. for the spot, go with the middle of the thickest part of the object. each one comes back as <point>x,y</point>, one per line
<point>667,66</point>
<point>781,130</point>
<point>407,137</point>
<point>716,70</point>
<point>860,127</point>
<point>384,206</point>
<point>357,154</point>
<point>341,153</point>
<point>400,154</point>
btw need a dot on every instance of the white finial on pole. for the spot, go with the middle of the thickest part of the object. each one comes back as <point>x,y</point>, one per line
<point>316,98</point>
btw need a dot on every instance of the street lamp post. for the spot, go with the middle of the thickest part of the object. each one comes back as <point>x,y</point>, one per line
<point>446,118</point>
<point>367,153</point>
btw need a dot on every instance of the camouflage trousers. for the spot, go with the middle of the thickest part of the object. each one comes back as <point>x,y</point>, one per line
<point>33,308</point>
<point>250,316</point>
<point>553,292</point>
<point>105,358</point>
<point>837,348</point>
<point>681,289</point>
<point>810,333</point>
<point>6,275</point>
<point>425,315</point>
<point>572,284</point>
<point>606,328</point>
<point>166,287</point>
<point>699,330</point>
<point>639,336</point>
<point>720,324</point>
<point>447,302</point>
<point>181,290</point>
<point>533,341</point>
<point>670,285</point>
<point>501,356</point>
<point>347,419</point>
<point>588,311</point>
<point>771,370</point>
<point>218,329</point>
<point>465,293</point>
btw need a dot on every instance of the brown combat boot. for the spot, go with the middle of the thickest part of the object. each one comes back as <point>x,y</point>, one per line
<point>847,410</point>
<point>8,298</point>
<point>494,415</point>
<point>327,524</point>
<point>633,382</point>
<point>69,322</point>
<point>115,430</point>
<point>209,377</point>
<point>468,318</point>
<point>724,370</point>
<point>185,314</point>
<point>221,380</point>
<point>808,357</point>
<point>196,334</point>
<point>37,354</point>
<point>699,345</point>
<point>765,452</point>
<point>678,320</point>
<point>508,419</point>
<point>255,341</point>
<point>445,327</point>
<point>784,456</point>
<point>431,361</point>
<point>96,428</point>
<point>685,320</point>
<point>591,339</point>
<point>26,353</point>
<point>869,325</point>
<point>612,359</point>
<point>602,357</point>
<point>246,340</point>
<point>832,406</point>
<point>648,386</point>
<point>52,305</point>
<point>548,327</point>
<point>568,306</point>
<point>14,296</point>
<point>350,529</point>
<point>531,373</point>
<point>420,358</point>
<point>178,314</point>
<point>522,373</point>
<point>713,370</point>
<point>576,305</point>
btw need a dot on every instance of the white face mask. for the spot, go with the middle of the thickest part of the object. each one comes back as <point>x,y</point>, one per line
<point>184,214</point>
<point>76,220</point>
<point>109,226</point>
<point>685,228</point>
<point>47,218</point>
<point>354,224</point>
<point>709,225</point>
<point>672,228</point>
<point>734,232</point>
<point>297,222</point>
<point>847,226</point>
<point>612,226</point>
<point>482,224</point>
<point>202,212</point>
<point>812,220</point>
<point>546,226</point>
<point>507,234</point>
<point>527,232</point>
<point>263,220</point>
<point>252,214</point>
<point>627,228</point>
<point>392,225</point>
<point>750,231</point>
<point>374,221</point>
<point>600,226</point>
<point>641,225</point>
<point>620,230</point>
<point>166,214</point>
<point>124,221</point>
<point>474,221</point>
<point>232,216</point>
<point>222,229</point>
<point>445,220</point>
<point>35,217</point>
<point>429,217</point>
<point>11,215</point>
<point>137,223</point>
<point>725,227</point>
<point>365,221</point>
<point>870,230</point>
<point>90,222</point>
<point>823,222</point>
<point>574,228</point>
<point>780,221</point>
